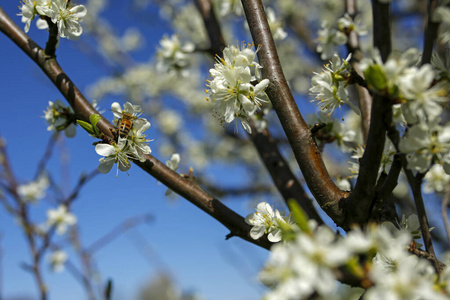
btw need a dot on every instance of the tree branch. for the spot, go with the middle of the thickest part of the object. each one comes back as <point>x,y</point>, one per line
<point>297,131</point>
<point>83,109</point>
<point>430,34</point>
<point>381,14</point>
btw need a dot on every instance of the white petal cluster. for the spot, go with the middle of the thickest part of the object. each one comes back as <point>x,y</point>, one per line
<point>232,90</point>
<point>327,40</point>
<point>347,24</point>
<point>228,7</point>
<point>57,261</point>
<point>60,218</point>
<point>427,143</point>
<point>60,117</point>
<point>275,25</point>
<point>173,56</point>
<point>173,165</point>
<point>306,265</point>
<point>436,180</point>
<point>133,146</point>
<point>329,86</point>
<point>59,12</point>
<point>35,190</point>
<point>297,269</point>
<point>266,221</point>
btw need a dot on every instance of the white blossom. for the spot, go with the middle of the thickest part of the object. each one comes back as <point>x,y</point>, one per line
<point>29,12</point>
<point>346,24</point>
<point>297,269</point>
<point>328,39</point>
<point>407,278</point>
<point>231,89</point>
<point>424,102</point>
<point>113,154</point>
<point>436,180</point>
<point>265,221</point>
<point>173,56</point>
<point>425,143</point>
<point>132,143</point>
<point>60,117</point>
<point>34,190</point>
<point>230,7</point>
<point>329,86</point>
<point>60,218</point>
<point>67,18</point>
<point>275,25</point>
<point>57,260</point>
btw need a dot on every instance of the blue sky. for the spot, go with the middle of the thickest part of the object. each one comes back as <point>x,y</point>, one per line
<point>189,243</point>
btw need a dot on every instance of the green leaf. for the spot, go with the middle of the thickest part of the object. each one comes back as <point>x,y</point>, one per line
<point>298,215</point>
<point>94,118</point>
<point>375,77</point>
<point>88,127</point>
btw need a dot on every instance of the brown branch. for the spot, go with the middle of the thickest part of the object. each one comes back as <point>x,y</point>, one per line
<point>83,109</point>
<point>361,199</point>
<point>431,32</point>
<point>327,194</point>
<point>81,181</point>
<point>415,182</point>
<point>381,14</point>
<point>217,42</point>
<point>285,181</point>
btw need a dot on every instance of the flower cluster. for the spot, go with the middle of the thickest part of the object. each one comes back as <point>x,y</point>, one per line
<point>306,265</point>
<point>173,56</point>
<point>426,143</point>
<point>60,218</point>
<point>266,221</point>
<point>421,92</point>
<point>275,25</point>
<point>131,141</point>
<point>60,117</point>
<point>329,37</point>
<point>33,191</point>
<point>57,260</point>
<point>328,87</point>
<point>232,89</point>
<point>66,18</point>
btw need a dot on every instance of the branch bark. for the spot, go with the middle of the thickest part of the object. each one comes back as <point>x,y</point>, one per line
<point>308,157</point>
<point>83,109</point>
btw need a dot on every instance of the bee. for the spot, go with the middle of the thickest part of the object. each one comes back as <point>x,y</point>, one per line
<point>125,124</point>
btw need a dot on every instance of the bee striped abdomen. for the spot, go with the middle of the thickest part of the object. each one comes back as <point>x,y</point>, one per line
<point>126,123</point>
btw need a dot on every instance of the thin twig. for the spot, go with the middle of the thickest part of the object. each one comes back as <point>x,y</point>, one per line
<point>444,204</point>
<point>48,153</point>
<point>117,231</point>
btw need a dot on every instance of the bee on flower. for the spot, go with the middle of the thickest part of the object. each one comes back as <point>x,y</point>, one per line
<point>131,142</point>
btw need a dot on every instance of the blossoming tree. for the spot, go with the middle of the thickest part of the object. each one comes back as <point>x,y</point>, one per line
<point>384,109</point>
